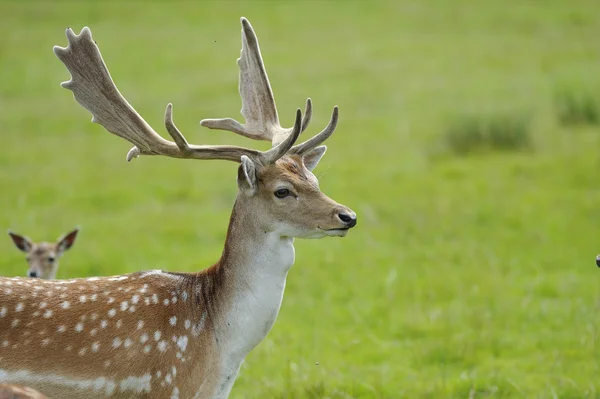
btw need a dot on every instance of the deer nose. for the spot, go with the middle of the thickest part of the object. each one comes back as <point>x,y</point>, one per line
<point>32,274</point>
<point>348,218</point>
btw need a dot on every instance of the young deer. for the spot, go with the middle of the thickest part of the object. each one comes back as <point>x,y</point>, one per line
<point>42,257</point>
<point>158,334</point>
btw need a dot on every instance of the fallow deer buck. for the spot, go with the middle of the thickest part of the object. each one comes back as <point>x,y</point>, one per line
<point>42,257</point>
<point>158,334</point>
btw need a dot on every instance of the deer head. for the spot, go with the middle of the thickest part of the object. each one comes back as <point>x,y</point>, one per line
<point>278,184</point>
<point>43,257</point>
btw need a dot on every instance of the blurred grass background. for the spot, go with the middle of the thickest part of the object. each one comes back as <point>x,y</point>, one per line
<point>468,144</point>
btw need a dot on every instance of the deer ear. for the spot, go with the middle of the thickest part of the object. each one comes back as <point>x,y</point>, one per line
<point>311,159</point>
<point>22,242</point>
<point>66,241</point>
<point>247,176</point>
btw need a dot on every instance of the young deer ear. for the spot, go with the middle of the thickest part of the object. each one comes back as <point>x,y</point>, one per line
<point>66,241</point>
<point>247,176</point>
<point>23,243</point>
<point>311,159</point>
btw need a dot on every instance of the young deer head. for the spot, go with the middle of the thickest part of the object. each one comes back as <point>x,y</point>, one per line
<point>169,335</point>
<point>42,257</point>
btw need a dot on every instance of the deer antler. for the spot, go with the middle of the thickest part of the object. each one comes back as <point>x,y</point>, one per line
<point>94,89</point>
<point>258,103</point>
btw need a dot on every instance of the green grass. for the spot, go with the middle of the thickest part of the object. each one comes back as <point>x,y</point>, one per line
<point>466,277</point>
<point>577,106</point>
<point>475,133</point>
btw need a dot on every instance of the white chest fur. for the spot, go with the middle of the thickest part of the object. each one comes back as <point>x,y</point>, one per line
<point>255,306</point>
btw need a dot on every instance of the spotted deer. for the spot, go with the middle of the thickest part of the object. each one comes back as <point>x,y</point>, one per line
<point>159,334</point>
<point>42,257</point>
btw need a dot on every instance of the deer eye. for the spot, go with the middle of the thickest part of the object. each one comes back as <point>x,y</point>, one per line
<point>51,259</point>
<point>282,193</point>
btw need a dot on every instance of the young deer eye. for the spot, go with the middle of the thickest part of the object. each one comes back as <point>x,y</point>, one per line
<point>282,193</point>
<point>51,259</point>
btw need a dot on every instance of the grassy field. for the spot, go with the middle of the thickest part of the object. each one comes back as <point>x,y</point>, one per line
<point>467,145</point>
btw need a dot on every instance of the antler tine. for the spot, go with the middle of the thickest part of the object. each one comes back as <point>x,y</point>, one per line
<point>282,148</point>
<point>307,115</point>
<point>94,89</point>
<point>258,103</point>
<point>318,138</point>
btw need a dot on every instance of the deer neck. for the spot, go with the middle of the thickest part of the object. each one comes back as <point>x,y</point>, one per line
<point>254,266</point>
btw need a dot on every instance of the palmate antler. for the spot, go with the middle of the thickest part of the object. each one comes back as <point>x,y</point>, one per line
<point>94,89</point>
<point>258,103</point>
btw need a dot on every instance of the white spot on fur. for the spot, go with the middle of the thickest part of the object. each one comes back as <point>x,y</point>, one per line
<point>135,299</point>
<point>112,313</point>
<point>157,335</point>
<point>173,320</point>
<point>61,329</point>
<point>119,323</point>
<point>65,305</point>
<point>166,302</point>
<point>199,325</point>
<point>175,394</point>
<point>48,313</point>
<point>184,295</point>
<point>162,346</point>
<point>188,324</point>
<point>154,299</point>
<point>82,351</point>
<point>15,323</point>
<point>147,349</point>
<point>95,346</point>
<point>3,311</point>
<point>111,300</point>
<point>103,323</point>
<point>117,342</point>
<point>94,332</point>
<point>182,342</point>
<point>19,307</point>
<point>43,305</point>
<point>45,341</point>
<point>79,327</point>
<point>124,305</point>
<point>128,342</point>
<point>117,278</point>
<point>144,338</point>
<point>82,298</point>
<point>140,324</point>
